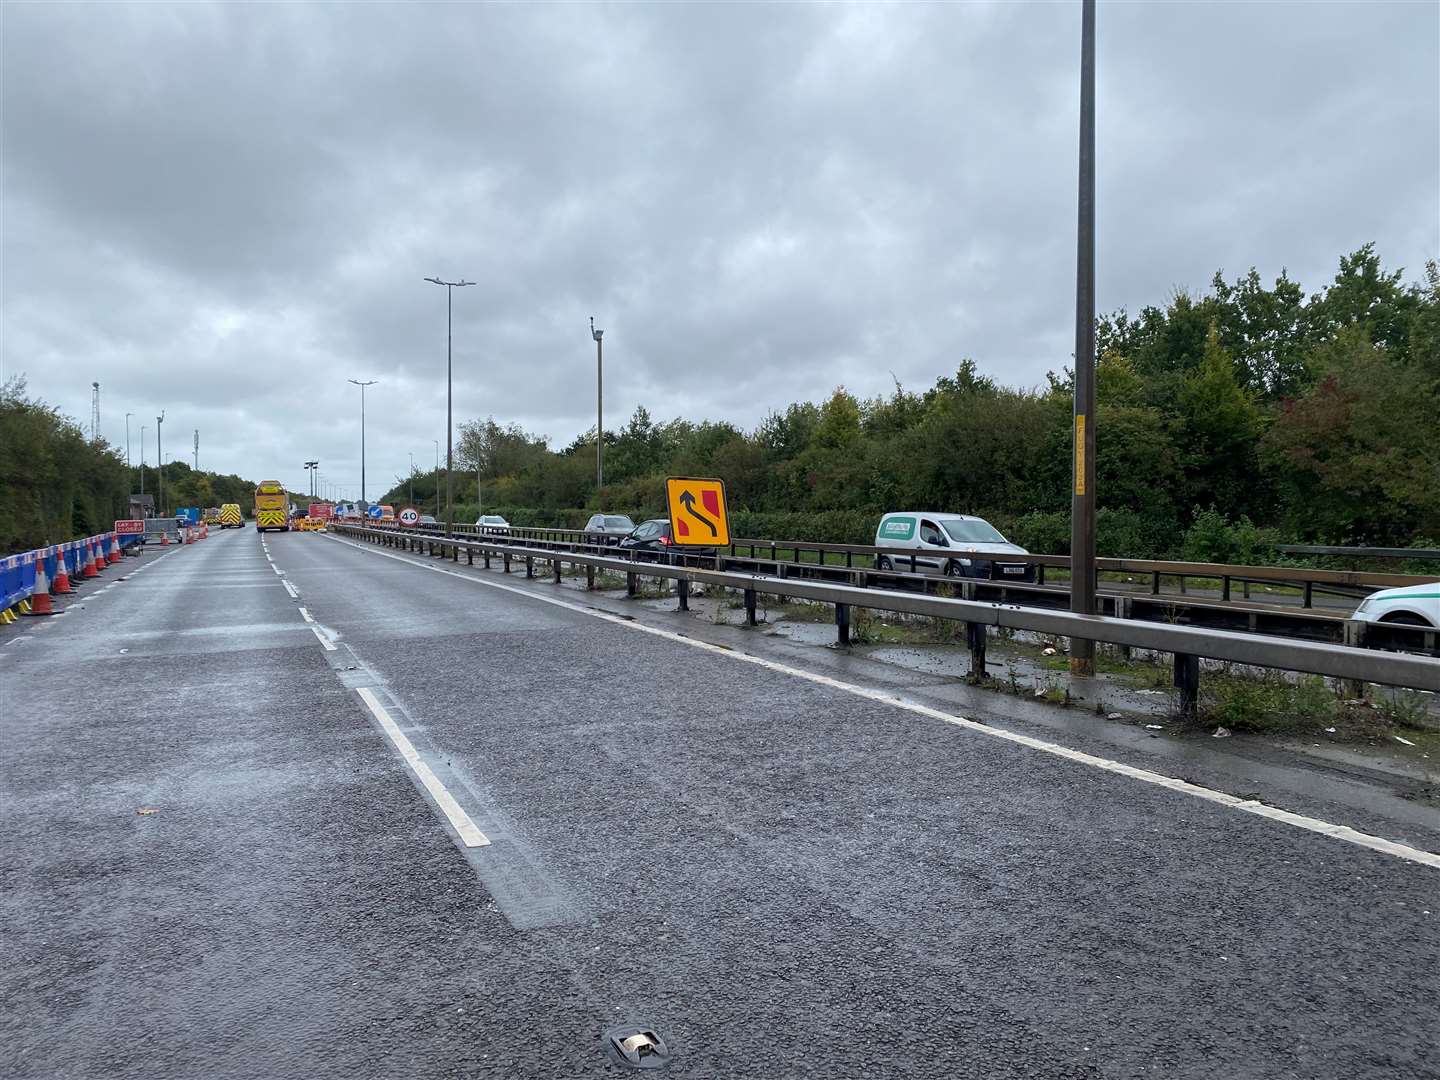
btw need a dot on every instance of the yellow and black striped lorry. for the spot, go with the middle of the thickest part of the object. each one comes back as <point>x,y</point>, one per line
<point>272,509</point>
<point>230,516</point>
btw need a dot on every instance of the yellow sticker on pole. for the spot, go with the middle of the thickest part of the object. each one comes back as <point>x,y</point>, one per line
<point>697,512</point>
<point>1079,453</point>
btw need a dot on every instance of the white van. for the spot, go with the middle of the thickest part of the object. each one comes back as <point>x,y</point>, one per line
<point>956,545</point>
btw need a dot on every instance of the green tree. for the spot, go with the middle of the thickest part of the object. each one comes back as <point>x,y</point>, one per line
<point>1357,459</point>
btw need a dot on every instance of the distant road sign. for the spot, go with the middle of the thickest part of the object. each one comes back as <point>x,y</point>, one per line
<point>409,516</point>
<point>130,528</point>
<point>697,512</point>
<point>375,512</point>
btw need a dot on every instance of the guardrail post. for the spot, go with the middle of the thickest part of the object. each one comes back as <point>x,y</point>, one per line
<point>506,556</point>
<point>1309,594</point>
<point>555,564</point>
<point>682,590</point>
<point>1245,589</point>
<point>455,553</point>
<point>1040,574</point>
<point>529,566</point>
<point>842,623</point>
<point>977,638</point>
<point>469,556</point>
<point>486,556</point>
<point>1225,587</point>
<point>1355,632</point>
<point>631,581</point>
<point>1155,583</point>
<point>590,578</point>
<point>1187,681</point>
<point>749,607</point>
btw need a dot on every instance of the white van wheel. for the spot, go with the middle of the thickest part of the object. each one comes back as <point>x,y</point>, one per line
<point>883,563</point>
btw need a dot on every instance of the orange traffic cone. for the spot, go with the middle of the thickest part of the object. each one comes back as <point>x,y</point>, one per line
<point>40,603</point>
<point>165,539</point>
<point>107,545</point>
<point>61,584</point>
<point>96,545</point>
<point>189,536</point>
<point>89,570</point>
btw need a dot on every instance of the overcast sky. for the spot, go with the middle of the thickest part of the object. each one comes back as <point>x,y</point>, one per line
<point>227,211</point>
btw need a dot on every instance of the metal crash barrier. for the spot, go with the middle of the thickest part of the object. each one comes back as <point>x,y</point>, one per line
<point>1188,644</point>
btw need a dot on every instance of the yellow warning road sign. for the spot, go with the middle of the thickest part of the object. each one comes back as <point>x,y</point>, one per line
<point>697,512</point>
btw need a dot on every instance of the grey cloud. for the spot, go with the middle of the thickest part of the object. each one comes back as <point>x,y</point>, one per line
<point>227,210</point>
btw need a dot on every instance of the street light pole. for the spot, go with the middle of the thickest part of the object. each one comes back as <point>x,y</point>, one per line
<point>599,407</point>
<point>159,467</point>
<point>411,478</point>
<point>362,386</point>
<point>127,440</point>
<point>142,459</point>
<point>450,287</point>
<point>1082,500</point>
<point>437,476</point>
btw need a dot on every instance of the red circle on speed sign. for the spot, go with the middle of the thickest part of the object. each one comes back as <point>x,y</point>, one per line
<point>409,516</point>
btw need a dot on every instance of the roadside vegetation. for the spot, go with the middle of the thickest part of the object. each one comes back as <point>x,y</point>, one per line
<point>56,483</point>
<point>1251,414</point>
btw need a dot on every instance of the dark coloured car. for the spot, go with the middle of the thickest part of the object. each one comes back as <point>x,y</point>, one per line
<point>652,542</point>
<point>608,528</point>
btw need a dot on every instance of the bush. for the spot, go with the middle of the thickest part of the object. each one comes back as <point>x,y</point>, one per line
<point>1213,538</point>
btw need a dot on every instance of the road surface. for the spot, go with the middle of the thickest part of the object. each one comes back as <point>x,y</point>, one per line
<point>298,808</point>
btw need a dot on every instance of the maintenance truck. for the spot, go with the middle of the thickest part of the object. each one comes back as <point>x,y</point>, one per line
<point>271,507</point>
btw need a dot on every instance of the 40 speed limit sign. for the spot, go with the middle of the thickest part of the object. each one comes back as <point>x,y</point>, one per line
<point>409,516</point>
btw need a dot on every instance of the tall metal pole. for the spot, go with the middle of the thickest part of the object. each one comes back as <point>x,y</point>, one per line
<point>362,385</point>
<point>197,449</point>
<point>437,476</point>
<point>411,478</point>
<point>142,459</point>
<point>1082,499</point>
<point>450,287</point>
<point>159,467</point>
<point>599,407</point>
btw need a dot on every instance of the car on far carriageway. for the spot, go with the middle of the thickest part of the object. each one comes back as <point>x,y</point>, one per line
<point>427,519</point>
<point>608,528</point>
<point>652,541</point>
<point>956,545</point>
<point>1409,605</point>
<point>491,523</point>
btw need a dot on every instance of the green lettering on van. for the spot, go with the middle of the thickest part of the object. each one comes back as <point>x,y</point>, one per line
<point>900,528</point>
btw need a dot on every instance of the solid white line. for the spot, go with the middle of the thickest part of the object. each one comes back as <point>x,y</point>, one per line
<point>459,820</point>
<point>329,646</point>
<point>306,615</point>
<point>1248,806</point>
<point>291,590</point>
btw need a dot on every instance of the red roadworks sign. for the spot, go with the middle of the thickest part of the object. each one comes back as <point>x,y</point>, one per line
<point>130,528</point>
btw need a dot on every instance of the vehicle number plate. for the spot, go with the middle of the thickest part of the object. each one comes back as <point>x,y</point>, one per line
<point>1014,569</point>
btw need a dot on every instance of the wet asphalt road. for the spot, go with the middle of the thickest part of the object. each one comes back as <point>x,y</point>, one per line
<point>783,878</point>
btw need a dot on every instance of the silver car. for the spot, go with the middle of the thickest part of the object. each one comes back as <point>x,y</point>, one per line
<point>491,523</point>
<point>608,528</point>
<point>956,545</point>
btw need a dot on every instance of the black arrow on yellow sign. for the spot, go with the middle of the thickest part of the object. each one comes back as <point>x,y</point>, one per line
<point>688,500</point>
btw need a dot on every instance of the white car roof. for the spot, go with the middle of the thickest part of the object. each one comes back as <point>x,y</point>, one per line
<point>933,514</point>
